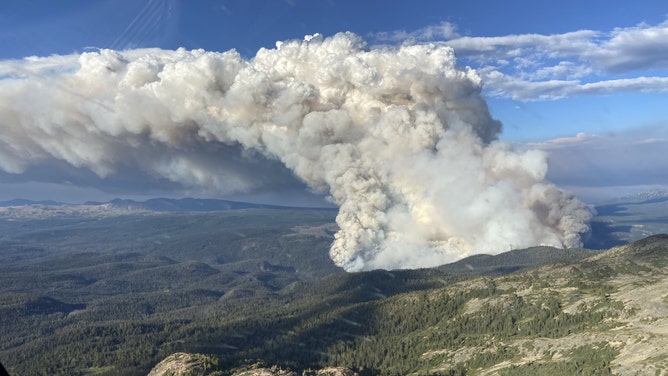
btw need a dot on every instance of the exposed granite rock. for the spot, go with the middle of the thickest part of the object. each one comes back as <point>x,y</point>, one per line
<point>183,364</point>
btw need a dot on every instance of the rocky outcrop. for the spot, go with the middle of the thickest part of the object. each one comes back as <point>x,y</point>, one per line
<point>183,364</point>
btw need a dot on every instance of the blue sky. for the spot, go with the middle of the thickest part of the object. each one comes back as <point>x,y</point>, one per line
<point>561,76</point>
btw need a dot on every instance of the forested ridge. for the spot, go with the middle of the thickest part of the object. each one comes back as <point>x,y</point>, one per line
<point>120,311</point>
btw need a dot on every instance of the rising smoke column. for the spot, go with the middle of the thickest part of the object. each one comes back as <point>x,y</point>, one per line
<point>400,139</point>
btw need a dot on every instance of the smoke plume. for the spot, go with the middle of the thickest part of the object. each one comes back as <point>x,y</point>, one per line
<point>399,137</point>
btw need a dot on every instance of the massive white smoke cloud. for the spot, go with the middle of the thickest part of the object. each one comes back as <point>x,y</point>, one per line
<point>400,138</point>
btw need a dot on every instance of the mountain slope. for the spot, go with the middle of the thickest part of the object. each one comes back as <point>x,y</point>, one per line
<point>605,314</point>
<point>115,295</point>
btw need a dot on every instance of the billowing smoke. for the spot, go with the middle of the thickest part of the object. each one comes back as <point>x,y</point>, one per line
<point>399,137</point>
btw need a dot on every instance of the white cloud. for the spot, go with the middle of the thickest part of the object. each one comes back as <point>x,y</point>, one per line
<point>499,84</point>
<point>442,31</point>
<point>564,69</point>
<point>634,48</point>
<point>544,67</point>
<point>487,48</point>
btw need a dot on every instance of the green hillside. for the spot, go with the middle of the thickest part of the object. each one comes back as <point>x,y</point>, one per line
<point>605,314</point>
<point>115,296</point>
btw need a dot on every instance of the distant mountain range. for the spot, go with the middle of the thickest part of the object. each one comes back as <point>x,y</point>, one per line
<point>654,194</point>
<point>617,221</point>
<point>629,218</point>
<point>204,205</point>
<point>154,204</point>
<point>23,202</point>
<point>184,204</point>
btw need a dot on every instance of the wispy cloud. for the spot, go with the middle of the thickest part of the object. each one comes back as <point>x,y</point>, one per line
<point>499,84</point>
<point>631,49</point>
<point>444,30</point>
<point>488,49</point>
<point>530,67</point>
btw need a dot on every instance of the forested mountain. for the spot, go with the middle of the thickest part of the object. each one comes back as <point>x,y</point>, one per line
<point>255,288</point>
<point>604,314</point>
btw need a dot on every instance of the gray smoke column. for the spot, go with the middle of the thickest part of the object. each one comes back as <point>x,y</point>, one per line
<point>400,138</point>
